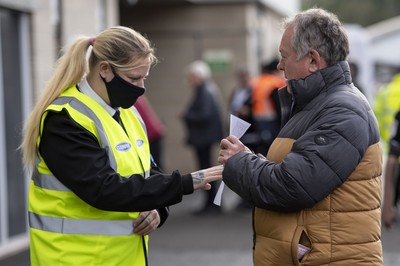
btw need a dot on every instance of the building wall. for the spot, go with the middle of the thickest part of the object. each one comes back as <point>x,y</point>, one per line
<point>43,44</point>
<point>78,18</point>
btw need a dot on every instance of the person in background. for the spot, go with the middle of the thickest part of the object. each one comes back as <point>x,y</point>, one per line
<point>391,179</point>
<point>95,196</point>
<point>240,105</point>
<point>154,127</point>
<point>317,194</point>
<point>203,120</point>
<point>386,105</point>
<point>265,106</point>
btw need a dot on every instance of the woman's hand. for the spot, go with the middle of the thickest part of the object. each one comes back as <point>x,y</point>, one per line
<point>146,223</point>
<point>229,147</point>
<point>203,177</point>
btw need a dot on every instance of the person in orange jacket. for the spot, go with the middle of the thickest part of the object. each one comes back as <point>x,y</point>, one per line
<point>265,105</point>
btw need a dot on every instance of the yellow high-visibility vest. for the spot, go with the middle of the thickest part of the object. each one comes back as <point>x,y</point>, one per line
<point>65,230</point>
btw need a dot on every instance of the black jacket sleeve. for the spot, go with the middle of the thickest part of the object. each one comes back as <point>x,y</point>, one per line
<point>74,156</point>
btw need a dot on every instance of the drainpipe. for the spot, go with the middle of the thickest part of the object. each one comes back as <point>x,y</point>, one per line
<point>101,15</point>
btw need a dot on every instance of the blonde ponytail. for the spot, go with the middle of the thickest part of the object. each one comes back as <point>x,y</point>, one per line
<point>69,70</point>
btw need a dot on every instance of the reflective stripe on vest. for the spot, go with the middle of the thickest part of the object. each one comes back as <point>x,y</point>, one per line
<point>48,182</point>
<point>81,226</point>
<point>79,106</point>
<point>51,182</point>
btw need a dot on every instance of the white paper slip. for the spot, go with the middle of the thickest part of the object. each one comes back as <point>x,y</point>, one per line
<point>301,251</point>
<point>237,128</point>
<point>218,196</point>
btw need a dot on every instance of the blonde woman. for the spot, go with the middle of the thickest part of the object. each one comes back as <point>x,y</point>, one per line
<point>94,194</point>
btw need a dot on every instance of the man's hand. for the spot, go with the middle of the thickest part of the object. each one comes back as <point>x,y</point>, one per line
<point>202,178</point>
<point>146,223</point>
<point>229,147</point>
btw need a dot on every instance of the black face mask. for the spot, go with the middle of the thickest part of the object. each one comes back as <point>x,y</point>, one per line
<point>121,92</point>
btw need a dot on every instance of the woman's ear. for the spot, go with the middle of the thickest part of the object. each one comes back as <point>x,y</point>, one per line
<point>316,61</point>
<point>104,68</point>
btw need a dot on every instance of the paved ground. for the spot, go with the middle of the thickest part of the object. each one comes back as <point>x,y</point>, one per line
<point>188,240</point>
<point>222,240</point>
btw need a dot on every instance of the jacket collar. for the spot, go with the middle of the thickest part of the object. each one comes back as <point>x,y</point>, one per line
<point>305,90</point>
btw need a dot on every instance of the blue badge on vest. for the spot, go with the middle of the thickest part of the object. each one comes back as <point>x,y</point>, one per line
<point>123,146</point>
<point>139,142</point>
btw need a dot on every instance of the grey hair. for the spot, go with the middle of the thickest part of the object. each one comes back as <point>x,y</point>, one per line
<point>320,30</point>
<point>200,69</point>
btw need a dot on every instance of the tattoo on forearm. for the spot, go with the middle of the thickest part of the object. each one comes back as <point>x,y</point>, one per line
<point>198,176</point>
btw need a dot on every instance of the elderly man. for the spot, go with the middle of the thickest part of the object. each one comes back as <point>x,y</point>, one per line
<point>317,194</point>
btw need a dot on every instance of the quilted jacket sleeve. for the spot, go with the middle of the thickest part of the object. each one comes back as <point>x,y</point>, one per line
<point>320,160</point>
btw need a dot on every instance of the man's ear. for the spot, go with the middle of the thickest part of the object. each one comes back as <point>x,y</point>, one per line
<point>316,61</point>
